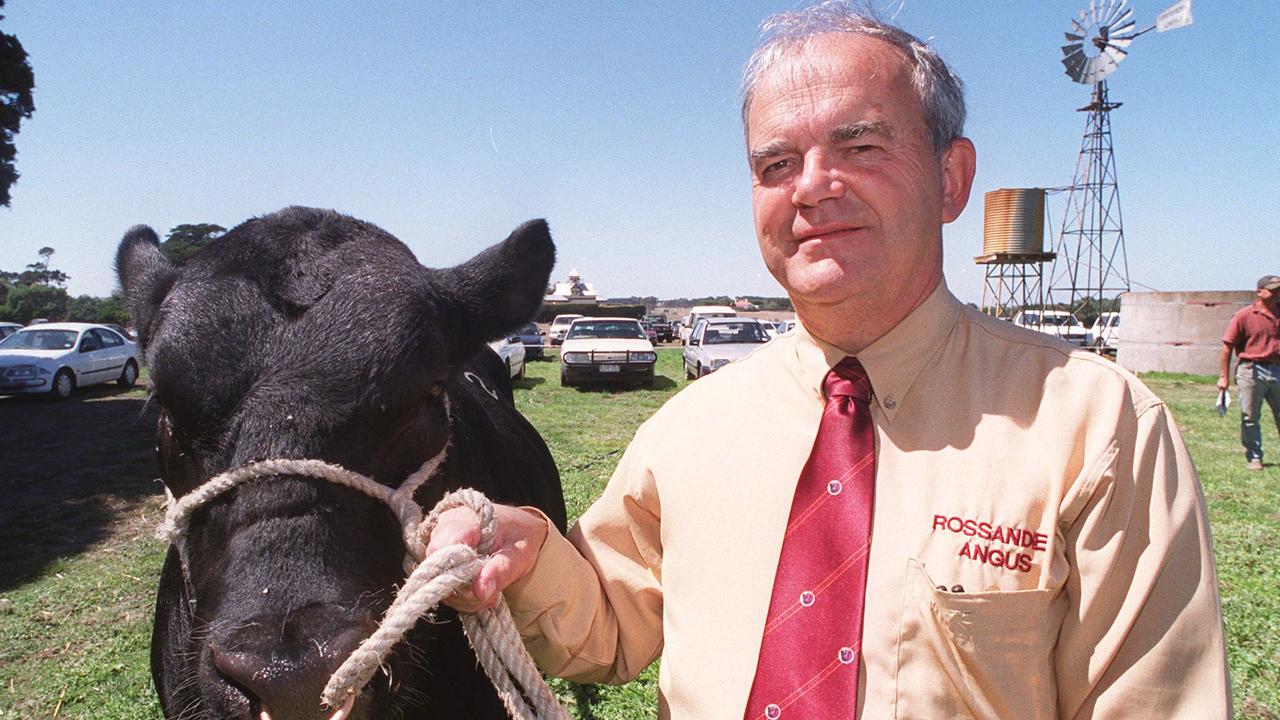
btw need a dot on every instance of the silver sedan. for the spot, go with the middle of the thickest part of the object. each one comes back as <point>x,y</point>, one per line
<point>57,358</point>
<point>716,342</point>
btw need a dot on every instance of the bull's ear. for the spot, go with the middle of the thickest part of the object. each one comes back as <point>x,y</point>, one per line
<point>146,276</point>
<point>501,288</point>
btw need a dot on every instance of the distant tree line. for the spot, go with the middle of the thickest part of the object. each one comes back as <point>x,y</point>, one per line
<point>778,304</point>
<point>39,292</point>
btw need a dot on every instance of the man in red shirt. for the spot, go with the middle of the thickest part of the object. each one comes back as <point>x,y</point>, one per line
<point>1254,336</point>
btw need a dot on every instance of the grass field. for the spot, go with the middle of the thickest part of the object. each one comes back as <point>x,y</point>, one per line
<point>78,567</point>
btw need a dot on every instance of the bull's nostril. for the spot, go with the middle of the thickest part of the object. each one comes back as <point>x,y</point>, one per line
<point>283,672</point>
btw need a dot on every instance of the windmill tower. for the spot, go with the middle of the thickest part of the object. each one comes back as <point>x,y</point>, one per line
<point>1091,265</point>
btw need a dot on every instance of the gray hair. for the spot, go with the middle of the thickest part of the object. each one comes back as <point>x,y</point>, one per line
<point>940,90</point>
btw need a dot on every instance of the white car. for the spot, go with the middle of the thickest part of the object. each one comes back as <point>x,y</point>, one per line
<point>611,349</point>
<point>716,342</point>
<point>1106,330</point>
<point>57,358</point>
<point>1059,323</point>
<point>560,326</point>
<point>511,350</point>
<point>8,328</point>
<point>697,312</point>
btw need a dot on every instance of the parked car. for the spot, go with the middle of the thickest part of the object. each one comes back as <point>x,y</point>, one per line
<point>57,358</point>
<point>697,312</point>
<point>560,326</point>
<point>649,332</point>
<point>8,328</point>
<point>785,326</point>
<point>612,349</point>
<point>532,338</point>
<point>511,350</point>
<point>1058,323</point>
<point>716,342</point>
<point>1106,331</point>
<point>661,327</point>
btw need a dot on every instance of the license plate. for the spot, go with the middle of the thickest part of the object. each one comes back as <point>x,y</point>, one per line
<point>610,368</point>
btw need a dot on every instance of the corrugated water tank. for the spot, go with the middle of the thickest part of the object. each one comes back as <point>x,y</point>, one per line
<point>1013,222</point>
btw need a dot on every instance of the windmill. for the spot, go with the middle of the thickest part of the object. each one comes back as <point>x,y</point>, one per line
<point>1090,263</point>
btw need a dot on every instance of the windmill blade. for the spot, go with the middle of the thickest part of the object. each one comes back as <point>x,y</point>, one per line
<point>1125,17</point>
<point>1120,41</point>
<point>1072,37</point>
<point>1115,53</point>
<point>1069,50</point>
<point>1175,16</point>
<point>1122,29</point>
<point>1112,11</point>
<point>1078,27</point>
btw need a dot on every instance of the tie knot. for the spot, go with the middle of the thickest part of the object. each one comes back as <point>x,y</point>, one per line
<point>848,379</point>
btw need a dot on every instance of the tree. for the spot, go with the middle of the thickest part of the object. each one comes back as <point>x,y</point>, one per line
<point>112,310</point>
<point>83,309</point>
<point>25,304</point>
<point>41,273</point>
<point>16,103</point>
<point>185,240</point>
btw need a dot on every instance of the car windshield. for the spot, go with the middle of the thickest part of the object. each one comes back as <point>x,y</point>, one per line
<point>1063,320</point>
<point>40,340</point>
<point>606,329</point>
<point>739,332</point>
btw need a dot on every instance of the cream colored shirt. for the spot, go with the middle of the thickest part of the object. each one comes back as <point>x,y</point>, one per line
<point>1046,489</point>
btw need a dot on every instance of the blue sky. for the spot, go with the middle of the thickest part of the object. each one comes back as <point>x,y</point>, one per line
<point>450,123</point>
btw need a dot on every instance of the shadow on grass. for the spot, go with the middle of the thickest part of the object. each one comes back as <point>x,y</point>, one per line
<point>67,471</point>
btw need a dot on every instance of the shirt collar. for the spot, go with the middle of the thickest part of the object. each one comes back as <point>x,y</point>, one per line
<point>894,360</point>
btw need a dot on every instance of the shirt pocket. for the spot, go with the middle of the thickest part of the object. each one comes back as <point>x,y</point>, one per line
<point>982,655</point>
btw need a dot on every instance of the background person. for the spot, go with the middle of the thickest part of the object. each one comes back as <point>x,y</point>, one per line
<point>1038,545</point>
<point>1254,336</point>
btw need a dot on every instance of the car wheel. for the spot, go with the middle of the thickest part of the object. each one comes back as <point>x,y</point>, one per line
<point>63,384</point>
<point>519,375</point>
<point>688,375</point>
<point>128,376</point>
<point>652,382</point>
<point>697,373</point>
<point>564,380</point>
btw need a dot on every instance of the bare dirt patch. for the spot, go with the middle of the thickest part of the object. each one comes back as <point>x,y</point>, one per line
<point>73,474</point>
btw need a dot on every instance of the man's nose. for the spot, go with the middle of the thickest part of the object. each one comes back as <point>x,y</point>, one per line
<point>818,181</point>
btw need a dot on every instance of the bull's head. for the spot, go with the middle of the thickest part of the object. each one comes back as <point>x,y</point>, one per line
<point>303,334</point>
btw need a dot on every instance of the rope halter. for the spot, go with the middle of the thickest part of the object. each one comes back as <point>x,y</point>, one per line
<point>491,632</point>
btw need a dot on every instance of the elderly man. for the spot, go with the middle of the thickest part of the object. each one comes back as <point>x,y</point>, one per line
<point>953,517</point>
<point>1254,336</point>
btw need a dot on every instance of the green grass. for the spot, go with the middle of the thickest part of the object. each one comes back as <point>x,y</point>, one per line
<point>74,639</point>
<point>1244,514</point>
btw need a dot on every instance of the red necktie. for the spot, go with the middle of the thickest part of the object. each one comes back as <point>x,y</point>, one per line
<point>808,667</point>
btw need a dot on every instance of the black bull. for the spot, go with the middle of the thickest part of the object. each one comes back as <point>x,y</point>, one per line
<point>309,334</point>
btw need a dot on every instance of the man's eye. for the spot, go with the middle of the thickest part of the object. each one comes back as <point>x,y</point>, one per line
<point>775,168</point>
<point>862,148</point>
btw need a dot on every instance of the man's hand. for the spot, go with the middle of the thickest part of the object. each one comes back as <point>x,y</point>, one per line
<point>1223,382</point>
<point>520,537</point>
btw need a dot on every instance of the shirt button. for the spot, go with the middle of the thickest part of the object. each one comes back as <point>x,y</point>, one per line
<point>890,403</point>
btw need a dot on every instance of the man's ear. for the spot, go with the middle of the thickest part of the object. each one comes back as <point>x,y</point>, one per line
<point>501,288</point>
<point>146,276</point>
<point>959,162</point>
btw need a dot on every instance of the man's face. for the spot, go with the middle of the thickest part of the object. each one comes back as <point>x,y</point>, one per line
<point>849,197</point>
